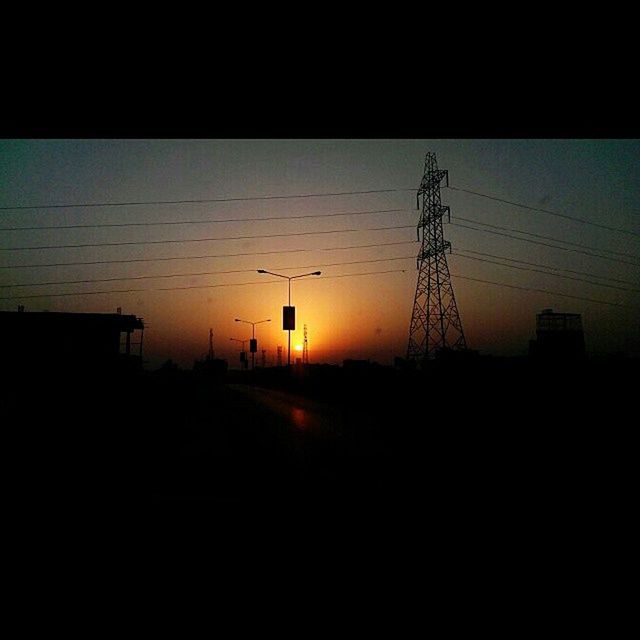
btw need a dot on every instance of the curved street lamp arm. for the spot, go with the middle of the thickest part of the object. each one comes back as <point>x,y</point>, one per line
<point>273,274</point>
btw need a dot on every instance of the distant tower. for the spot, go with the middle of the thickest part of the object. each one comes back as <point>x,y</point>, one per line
<point>279,355</point>
<point>435,322</point>
<point>211,353</point>
<point>264,358</point>
<point>305,348</point>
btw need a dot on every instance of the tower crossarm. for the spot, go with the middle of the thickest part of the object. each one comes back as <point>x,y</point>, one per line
<point>434,250</point>
<point>436,212</point>
<point>430,180</point>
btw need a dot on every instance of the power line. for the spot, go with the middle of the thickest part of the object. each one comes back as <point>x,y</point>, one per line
<point>187,222</point>
<point>217,255</point>
<point>332,264</point>
<point>544,244</point>
<point>369,273</point>
<point>303,195</point>
<point>537,235</point>
<point>551,213</point>
<point>143,242</point>
<point>547,273</point>
<point>208,286</point>
<point>202,273</point>
<point>306,233</point>
<point>199,201</point>
<point>236,284</point>
<point>555,293</point>
<point>534,264</point>
<point>306,216</point>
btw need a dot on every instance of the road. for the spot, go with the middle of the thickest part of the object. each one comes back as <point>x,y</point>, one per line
<point>254,444</point>
<point>301,416</point>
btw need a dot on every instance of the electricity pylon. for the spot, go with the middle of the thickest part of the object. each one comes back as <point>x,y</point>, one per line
<point>435,322</point>
<point>305,348</point>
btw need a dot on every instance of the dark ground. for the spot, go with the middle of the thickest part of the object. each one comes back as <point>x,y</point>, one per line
<point>503,435</point>
<point>466,474</point>
<point>488,437</point>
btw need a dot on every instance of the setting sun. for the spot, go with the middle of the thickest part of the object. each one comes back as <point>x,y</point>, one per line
<point>298,347</point>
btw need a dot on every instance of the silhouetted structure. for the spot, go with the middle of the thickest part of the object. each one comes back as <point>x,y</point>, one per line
<point>435,322</point>
<point>356,365</point>
<point>211,365</point>
<point>244,362</point>
<point>69,340</point>
<point>211,354</point>
<point>305,348</point>
<point>558,335</point>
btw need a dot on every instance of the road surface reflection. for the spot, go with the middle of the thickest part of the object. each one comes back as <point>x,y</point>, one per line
<point>299,417</point>
<point>301,413</point>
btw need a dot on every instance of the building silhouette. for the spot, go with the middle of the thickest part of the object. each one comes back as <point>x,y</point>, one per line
<point>79,341</point>
<point>558,336</point>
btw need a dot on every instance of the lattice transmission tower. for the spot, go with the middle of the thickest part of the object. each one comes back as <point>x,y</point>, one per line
<point>435,321</point>
<point>305,348</point>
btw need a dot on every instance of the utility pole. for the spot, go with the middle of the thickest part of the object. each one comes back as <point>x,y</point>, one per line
<point>244,363</point>
<point>435,321</point>
<point>305,349</point>
<point>253,343</point>
<point>289,312</point>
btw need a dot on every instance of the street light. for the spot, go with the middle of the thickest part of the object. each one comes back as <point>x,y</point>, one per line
<point>288,318</point>
<point>253,345</point>
<point>242,353</point>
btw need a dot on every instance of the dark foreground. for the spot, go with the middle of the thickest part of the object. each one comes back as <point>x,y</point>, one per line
<point>482,439</point>
<point>475,440</point>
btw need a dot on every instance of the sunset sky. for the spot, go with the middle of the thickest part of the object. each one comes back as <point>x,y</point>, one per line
<point>348,315</point>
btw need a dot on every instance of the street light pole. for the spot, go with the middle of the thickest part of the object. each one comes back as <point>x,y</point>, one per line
<point>253,337</point>
<point>243,351</point>
<point>289,332</point>
<point>289,278</point>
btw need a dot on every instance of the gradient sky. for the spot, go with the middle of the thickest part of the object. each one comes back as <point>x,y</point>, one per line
<point>347,317</point>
